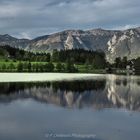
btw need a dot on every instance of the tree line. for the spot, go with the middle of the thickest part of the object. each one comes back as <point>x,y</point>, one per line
<point>76,56</point>
<point>8,52</point>
<point>57,61</point>
<point>122,63</point>
<point>38,67</point>
<point>80,56</point>
<point>60,61</point>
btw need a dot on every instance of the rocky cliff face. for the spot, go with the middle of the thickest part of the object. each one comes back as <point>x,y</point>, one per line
<point>125,43</point>
<point>113,43</point>
<point>73,39</point>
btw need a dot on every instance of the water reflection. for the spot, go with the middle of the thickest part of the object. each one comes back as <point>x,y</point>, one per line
<point>124,92</point>
<point>110,92</point>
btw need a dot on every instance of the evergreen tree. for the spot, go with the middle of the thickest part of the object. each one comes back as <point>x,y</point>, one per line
<point>137,66</point>
<point>87,64</point>
<point>11,67</point>
<point>118,62</point>
<point>29,66</point>
<point>124,62</point>
<point>49,67</point>
<point>3,67</point>
<point>48,57</point>
<point>59,67</point>
<point>70,67</point>
<point>55,56</point>
<point>20,67</point>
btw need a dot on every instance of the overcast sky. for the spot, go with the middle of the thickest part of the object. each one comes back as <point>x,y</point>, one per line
<point>32,18</point>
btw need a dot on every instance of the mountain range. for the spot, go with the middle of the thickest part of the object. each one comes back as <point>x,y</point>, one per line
<point>115,43</point>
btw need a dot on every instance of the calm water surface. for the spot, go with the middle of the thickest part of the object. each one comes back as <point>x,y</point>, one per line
<point>96,109</point>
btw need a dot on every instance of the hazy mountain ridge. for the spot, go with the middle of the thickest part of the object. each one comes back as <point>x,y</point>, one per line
<point>114,43</point>
<point>13,42</point>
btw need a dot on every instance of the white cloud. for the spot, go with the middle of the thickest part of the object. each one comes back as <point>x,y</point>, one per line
<point>125,27</point>
<point>30,18</point>
<point>25,35</point>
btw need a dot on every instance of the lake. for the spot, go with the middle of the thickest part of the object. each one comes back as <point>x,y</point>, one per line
<point>69,107</point>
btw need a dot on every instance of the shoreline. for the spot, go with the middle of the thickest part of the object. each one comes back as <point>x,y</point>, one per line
<point>48,77</point>
<point>42,77</point>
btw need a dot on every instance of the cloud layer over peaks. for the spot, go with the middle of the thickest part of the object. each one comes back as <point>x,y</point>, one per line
<point>31,18</point>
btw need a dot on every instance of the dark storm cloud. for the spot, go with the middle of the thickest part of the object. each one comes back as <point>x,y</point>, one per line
<point>31,18</point>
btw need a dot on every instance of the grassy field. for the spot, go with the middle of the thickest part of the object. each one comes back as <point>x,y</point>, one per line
<point>81,67</point>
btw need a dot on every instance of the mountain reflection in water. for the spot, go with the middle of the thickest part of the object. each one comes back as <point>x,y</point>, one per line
<point>110,92</point>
